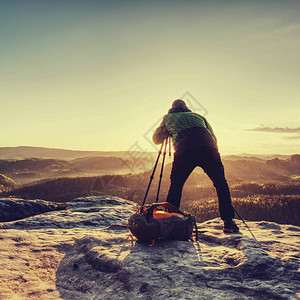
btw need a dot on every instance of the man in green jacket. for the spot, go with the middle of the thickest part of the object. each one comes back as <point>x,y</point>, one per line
<point>195,144</point>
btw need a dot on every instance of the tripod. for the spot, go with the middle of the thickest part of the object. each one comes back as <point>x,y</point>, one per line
<point>164,145</point>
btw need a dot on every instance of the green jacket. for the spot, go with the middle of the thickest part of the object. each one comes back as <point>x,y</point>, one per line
<point>187,129</point>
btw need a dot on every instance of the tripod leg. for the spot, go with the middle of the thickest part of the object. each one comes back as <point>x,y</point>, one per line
<point>152,175</point>
<point>246,226</point>
<point>162,168</point>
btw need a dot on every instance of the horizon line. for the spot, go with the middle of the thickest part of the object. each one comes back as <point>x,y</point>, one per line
<point>77,150</point>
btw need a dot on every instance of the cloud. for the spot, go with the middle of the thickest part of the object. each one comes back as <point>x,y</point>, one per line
<point>289,28</point>
<point>284,130</point>
<point>276,129</point>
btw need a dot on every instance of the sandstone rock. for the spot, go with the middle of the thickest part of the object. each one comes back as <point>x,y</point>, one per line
<point>14,209</point>
<point>86,253</point>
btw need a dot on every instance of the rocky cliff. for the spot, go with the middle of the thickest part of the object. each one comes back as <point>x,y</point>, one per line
<point>85,252</point>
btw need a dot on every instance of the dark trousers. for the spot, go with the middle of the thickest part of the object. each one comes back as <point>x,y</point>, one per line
<point>208,158</point>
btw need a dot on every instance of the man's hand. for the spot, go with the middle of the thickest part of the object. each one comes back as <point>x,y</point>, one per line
<point>160,134</point>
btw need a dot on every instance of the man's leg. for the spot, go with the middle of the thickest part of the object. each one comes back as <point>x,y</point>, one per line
<point>182,167</point>
<point>213,167</point>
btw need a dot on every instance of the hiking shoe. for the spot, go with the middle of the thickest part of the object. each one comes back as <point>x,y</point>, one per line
<point>230,227</point>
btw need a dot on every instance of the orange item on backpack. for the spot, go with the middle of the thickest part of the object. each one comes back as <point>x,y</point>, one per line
<point>161,214</point>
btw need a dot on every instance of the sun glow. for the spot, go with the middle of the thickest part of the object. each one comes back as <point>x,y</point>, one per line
<point>95,76</point>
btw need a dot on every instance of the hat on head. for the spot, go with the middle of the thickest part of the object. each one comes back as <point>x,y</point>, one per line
<point>178,103</point>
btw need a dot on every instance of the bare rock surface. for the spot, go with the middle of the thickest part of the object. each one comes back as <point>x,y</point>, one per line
<point>14,209</point>
<point>85,252</point>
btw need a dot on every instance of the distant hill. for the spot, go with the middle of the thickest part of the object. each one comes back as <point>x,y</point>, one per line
<point>238,157</point>
<point>24,171</point>
<point>290,165</point>
<point>39,167</point>
<point>22,152</point>
<point>98,163</point>
<point>270,170</point>
<point>249,156</point>
<point>27,170</point>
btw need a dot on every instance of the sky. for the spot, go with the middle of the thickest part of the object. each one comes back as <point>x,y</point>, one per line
<point>100,75</point>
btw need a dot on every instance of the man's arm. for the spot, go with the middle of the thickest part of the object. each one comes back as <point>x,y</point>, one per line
<point>160,134</point>
<point>210,130</point>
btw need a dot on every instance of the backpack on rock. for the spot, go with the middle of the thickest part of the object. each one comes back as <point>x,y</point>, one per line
<point>161,221</point>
